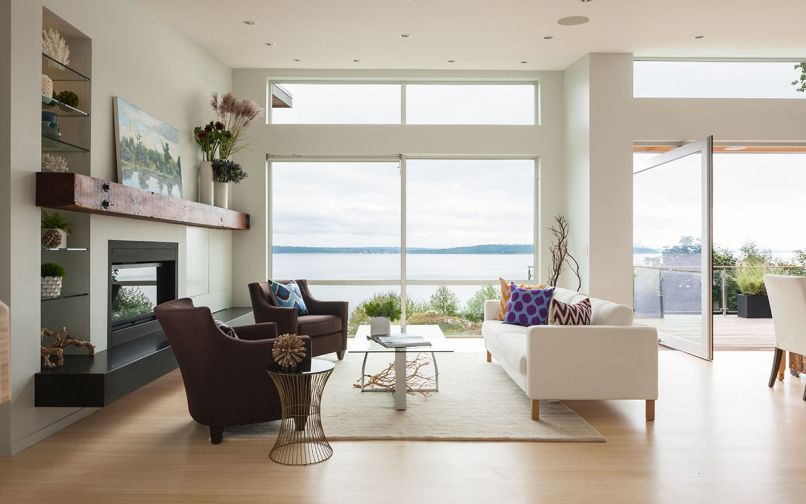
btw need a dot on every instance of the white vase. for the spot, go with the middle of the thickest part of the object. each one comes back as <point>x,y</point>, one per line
<point>221,194</point>
<point>206,182</point>
<point>51,286</point>
<point>380,326</point>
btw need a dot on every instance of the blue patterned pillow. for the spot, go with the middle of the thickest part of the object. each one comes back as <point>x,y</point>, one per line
<point>288,296</point>
<point>528,307</point>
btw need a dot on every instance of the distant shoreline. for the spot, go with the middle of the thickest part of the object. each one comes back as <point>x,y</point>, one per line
<point>473,249</point>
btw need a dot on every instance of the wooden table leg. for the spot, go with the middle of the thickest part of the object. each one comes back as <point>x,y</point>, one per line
<point>795,364</point>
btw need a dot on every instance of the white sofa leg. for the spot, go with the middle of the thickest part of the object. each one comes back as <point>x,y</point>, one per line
<point>535,410</point>
<point>489,356</point>
<point>650,410</point>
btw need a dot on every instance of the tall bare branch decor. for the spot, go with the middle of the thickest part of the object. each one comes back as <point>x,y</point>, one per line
<point>5,355</point>
<point>560,257</point>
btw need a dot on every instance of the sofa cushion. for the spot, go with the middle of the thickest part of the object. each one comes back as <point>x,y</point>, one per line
<point>318,325</point>
<point>511,351</point>
<point>288,296</point>
<point>570,313</point>
<point>603,312</point>
<point>503,302</point>
<point>225,329</point>
<point>528,307</point>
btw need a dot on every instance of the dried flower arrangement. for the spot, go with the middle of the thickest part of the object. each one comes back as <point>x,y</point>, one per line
<point>53,163</point>
<point>236,115</point>
<point>226,171</point>
<point>288,351</point>
<point>560,256</point>
<point>54,45</point>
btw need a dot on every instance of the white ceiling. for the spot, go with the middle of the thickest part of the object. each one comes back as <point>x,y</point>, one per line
<point>490,35</point>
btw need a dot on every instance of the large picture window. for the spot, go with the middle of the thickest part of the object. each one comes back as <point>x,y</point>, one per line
<point>341,226</point>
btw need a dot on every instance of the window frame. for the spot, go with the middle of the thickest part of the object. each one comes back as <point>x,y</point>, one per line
<point>403,281</point>
<point>535,83</point>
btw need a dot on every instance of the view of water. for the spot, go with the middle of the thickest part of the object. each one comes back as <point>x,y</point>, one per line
<point>387,267</point>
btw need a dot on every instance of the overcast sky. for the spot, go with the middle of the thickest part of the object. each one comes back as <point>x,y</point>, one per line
<point>450,203</point>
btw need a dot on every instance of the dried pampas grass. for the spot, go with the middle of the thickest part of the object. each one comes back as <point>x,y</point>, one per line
<point>54,45</point>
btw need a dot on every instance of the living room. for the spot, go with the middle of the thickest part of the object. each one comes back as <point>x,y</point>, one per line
<point>413,174</point>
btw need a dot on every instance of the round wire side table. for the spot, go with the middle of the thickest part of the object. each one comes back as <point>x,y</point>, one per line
<point>302,440</point>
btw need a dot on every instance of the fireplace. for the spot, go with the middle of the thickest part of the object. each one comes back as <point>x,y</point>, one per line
<point>141,276</point>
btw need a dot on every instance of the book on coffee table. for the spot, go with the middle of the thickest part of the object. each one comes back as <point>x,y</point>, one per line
<point>401,341</point>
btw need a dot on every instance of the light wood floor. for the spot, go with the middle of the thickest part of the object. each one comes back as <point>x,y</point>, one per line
<point>720,436</point>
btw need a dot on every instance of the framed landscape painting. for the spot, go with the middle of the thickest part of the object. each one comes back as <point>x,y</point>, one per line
<point>147,151</point>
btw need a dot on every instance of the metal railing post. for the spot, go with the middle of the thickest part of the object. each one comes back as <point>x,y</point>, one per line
<point>724,277</point>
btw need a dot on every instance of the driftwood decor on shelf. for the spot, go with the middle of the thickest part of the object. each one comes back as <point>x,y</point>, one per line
<point>417,382</point>
<point>61,339</point>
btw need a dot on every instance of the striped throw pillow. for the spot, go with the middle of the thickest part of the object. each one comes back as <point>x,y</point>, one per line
<point>570,314</point>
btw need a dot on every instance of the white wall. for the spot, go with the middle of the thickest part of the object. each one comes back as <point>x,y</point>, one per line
<point>139,57</point>
<point>545,141</point>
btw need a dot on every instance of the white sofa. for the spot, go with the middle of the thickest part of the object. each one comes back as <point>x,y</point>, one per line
<point>609,359</point>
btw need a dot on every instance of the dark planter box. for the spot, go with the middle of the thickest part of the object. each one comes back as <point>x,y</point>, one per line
<point>753,306</point>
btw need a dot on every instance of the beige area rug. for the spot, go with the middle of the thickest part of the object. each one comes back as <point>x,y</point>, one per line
<point>477,401</point>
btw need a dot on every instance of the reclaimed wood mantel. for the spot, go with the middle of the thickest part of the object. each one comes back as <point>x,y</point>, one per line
<point>82,193</point>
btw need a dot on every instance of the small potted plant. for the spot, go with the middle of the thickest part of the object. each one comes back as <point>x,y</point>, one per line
<point>52,275</point>
<point>55,229</point>
<point>224,172</point>
<point>752,300</point>
<point>382,310</point>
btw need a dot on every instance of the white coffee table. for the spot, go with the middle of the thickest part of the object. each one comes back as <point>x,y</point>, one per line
<point>439,344</point>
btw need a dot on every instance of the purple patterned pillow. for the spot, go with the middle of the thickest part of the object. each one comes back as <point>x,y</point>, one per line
<point>528,307</point>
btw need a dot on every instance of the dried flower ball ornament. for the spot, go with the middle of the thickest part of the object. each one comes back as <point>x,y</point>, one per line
<point>288,351</point>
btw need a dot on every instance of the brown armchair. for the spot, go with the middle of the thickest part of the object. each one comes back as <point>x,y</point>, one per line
<point>225,378</point>
<point>326,323</point>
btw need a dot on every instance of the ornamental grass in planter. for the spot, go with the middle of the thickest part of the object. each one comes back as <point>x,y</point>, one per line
<point>382,309</point>
<point>752,300</point>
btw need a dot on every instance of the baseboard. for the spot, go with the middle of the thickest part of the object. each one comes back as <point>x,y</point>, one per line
<point>32,439</point>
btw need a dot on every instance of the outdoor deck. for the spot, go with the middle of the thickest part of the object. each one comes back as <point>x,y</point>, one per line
<point>730,331</point>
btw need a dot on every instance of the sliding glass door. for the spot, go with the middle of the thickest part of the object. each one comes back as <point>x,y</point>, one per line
<point>438,233</point>
<point>672,236</point>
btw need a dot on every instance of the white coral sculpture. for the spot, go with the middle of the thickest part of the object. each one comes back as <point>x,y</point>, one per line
<point>53,163</point>
<point>55,46</point>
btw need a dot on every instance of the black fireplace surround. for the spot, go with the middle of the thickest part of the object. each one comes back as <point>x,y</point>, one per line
<point>141,275</point>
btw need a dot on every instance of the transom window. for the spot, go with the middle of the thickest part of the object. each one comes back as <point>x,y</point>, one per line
<point>406,103</point>
<point>715,79</point>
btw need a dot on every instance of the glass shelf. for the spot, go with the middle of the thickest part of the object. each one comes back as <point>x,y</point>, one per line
<point>53,145</point>
<point>66,295</point>
<point>58,72</point>
<point>67,249</point>
<point>61,109</point>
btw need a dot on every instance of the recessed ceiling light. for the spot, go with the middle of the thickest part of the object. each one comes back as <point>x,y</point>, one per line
<point>269,44</point>
<point>297,60</point>
<point>356,61</point>
<point>548,37</point>
<point>405,35</point>
<point>451,61</point>
<point>524,62</point>
<point>573,20</point>
<point>249,22</point>
<point>699,37</point>
<point>585,1</point>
